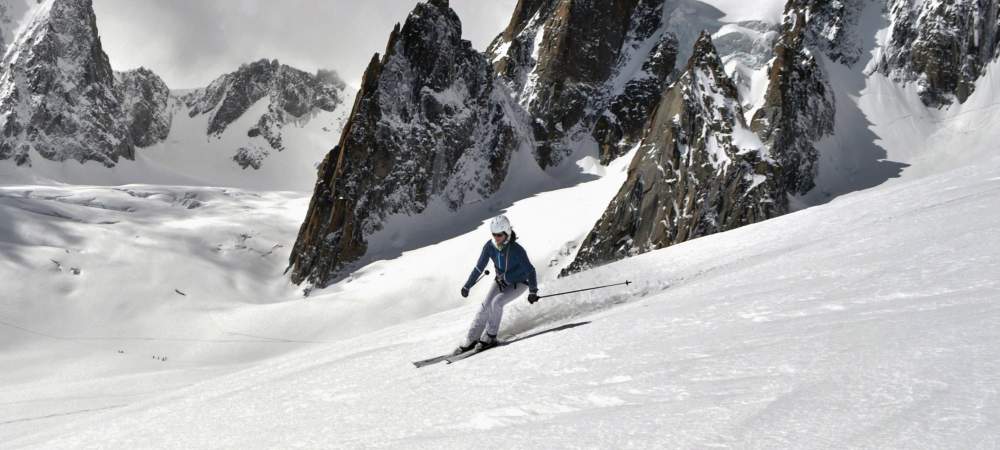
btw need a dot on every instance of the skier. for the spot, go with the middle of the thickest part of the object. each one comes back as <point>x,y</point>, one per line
<point>514,275</point>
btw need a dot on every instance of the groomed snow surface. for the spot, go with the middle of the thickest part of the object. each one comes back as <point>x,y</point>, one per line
<point>870,321</point>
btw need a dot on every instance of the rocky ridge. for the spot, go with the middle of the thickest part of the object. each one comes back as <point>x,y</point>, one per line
<point>698,170</point>
<point>430,123</point>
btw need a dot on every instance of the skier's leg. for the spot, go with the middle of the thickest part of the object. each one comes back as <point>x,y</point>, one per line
<point>479,322</point>
<point>496,307</point>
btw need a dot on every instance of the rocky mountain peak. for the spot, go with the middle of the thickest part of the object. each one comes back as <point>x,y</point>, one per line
<point>290,90</point>
<point>698,170</point>
<point>429,126</point>
<point>58,56</point>
<point>290,94</point>
<point>587,72</point>
<point>798,107</point>
<point>705,57</point>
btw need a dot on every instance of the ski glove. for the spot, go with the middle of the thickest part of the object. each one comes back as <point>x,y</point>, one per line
<point>465,292</point>
<point>532,297</point>
<point>501,283</point>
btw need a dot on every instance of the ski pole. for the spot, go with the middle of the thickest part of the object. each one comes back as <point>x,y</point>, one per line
<point>487,272</point>
<point>626,283</point>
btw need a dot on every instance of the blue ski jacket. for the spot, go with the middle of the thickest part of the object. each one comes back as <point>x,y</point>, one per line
<point>511,263</point>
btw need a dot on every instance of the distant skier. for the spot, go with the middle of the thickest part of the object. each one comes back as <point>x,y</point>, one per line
<point>514,275</point>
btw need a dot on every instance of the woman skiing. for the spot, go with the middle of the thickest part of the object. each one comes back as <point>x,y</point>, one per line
<point>514,275</point>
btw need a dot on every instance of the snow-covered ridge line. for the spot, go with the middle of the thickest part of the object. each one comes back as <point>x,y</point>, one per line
<point>58,54</point>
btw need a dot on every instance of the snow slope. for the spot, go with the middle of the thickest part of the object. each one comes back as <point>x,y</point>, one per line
<point>869,321</point>
<point>225,250</point>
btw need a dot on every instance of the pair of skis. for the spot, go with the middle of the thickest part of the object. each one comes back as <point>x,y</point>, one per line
<point>450,358</point>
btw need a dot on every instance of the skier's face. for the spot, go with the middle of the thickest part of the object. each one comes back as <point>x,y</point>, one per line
<point>499,239</point>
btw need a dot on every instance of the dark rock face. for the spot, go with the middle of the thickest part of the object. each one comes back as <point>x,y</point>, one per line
<point>698,171</point>
<point>942,46</point>
<point>57,91</point>
<point>429,124</point>
<point>585,70</point>
<point>798,107</point>
<point>291,94</point>
<point>145,99</point>
<point>621,124</point>
<point>831,27</point>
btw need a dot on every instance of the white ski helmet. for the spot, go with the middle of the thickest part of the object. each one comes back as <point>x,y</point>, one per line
<point>500,224</point>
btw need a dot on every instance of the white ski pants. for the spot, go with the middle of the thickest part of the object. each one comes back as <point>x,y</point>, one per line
<point>491,311</point>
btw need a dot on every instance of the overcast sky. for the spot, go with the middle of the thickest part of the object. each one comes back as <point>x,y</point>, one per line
<point>191,42</point>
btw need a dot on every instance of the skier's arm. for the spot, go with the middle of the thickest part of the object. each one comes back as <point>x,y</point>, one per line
<point>532,278</point>
<point>484,257</point>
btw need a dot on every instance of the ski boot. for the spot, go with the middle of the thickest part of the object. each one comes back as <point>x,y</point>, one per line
<point>489,342</point>
<point>464,348</point>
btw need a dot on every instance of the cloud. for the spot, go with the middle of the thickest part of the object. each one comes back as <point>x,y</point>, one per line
<point>191,42</point>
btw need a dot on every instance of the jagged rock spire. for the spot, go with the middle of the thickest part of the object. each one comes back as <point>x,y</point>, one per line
<point>798,107</point>
<point>698,170</point>
<point>572,66</point>
<point>428,126</point>
<point>57,90</point>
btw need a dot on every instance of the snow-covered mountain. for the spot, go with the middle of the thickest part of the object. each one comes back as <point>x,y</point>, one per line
<point>290,95</point>
<point>572,64</point>
<point>699,170</point>
<point>798,106</point>
<point>430,124</point>
<point>265,125</point>
<point>57,91</point>
<point>584,79</point>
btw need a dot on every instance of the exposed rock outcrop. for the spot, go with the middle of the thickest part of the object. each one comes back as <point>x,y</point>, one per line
<point>699,170</point>
<point>798,107</point>
<point>430,124</point>
<point>942,46</point>
<point>586,71</point>
<point>145,100</point>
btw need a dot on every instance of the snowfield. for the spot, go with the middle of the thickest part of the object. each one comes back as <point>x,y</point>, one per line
<point>870,321</point>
